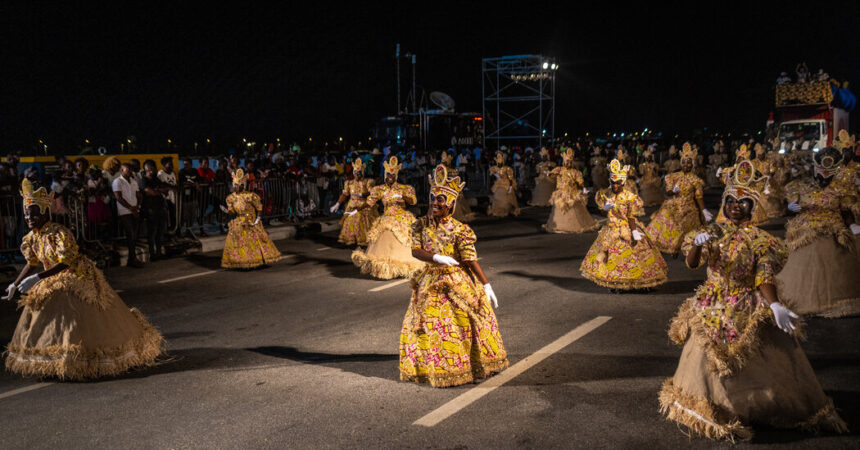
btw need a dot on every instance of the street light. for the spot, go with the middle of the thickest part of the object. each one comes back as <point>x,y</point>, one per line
<point>545,65</point>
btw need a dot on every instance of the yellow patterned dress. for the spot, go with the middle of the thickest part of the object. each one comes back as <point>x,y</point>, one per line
<point>354,228</point>
<point>569,214</point>
<point>737,367</point>
<point>503,201</point>
<point>679,214</point>
<point>616,260</point>
<point>544,184</point>
<point>450,335</point>
<point>247,245</point>
<point>389,249</point>
<point>650,187</point>
<point>74,326</point>
<point>821,274</point>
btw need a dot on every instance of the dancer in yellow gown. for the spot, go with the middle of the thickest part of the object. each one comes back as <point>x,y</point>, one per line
<point>737,368</point>
<point>622,257</point>
<point>679,214</point>
<point>248,245</point>
<point>389,249</point>
<point>650,185</point>
<point>544,183</point>
<point>569,213</point>
<point>73,325</point>
<point>450,335</point>
<point>820,276</point>
<point>358,217</point>
<point>673,164</point>
<point>504,199</point>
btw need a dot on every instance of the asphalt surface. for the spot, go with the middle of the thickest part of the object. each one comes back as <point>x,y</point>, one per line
<point>303,355</point>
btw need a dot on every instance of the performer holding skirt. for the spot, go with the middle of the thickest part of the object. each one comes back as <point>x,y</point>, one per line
<point>569,214</point>
<point>544,183</point>
<point>821,274</point>
<point>248,244</point>
<point>737,368</point>
<point>450,335</point>
<point>358,217</point>
<point>504,199</point>
<point>73,326</point>
<point>389,249</point>
<point>622,257</point>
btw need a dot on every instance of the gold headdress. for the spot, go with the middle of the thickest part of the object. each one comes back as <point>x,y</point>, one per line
<point>621,155</point>
<point>687,152</point>
<point>111,161</point>
<point>567,156</point>
<point>441,184</point>
<point>501,157</point>
<point>647,153</point>
<point>827,162</point>
<point>358,165</point>
<point>743,181</point>
<point>447,159</point>
<point>39,197</point>
<point>544,151</point>
<point>392,166</point>
<point>743,153</point>
<point>759,150</point>
<point>673,150</point>
<point>240,177</point>
<point>844,140</point>
<point>617,172</point>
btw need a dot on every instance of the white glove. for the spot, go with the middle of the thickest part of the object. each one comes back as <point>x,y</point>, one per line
<point>766,189</point>
<point>783,317</point>
<point>335,207</point>
<point>396,196</point>
<point>719,172</point>
<point>701,238</point>
<point>10,291</point>
<point>491,295</point>
<point>224,208</point>
<point>607,206</point>
<point>855,228</point>
<point>257,221</point>
<point>708,216</point>
<point>510,188</point>
<point>585,190</point>
<point>676,189</point>
<point>445,260</point>
<point>351,213</point>
<point>794,207</point>
<point>27,283</point>
<point>637,235</point>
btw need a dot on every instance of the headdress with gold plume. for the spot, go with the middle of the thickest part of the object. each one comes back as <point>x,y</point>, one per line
<point>392,166</point>
<point>844,140</point>
<point>440,184</point>
<point>647,153</point>
<point>743,181</point>
<point>620,154</point>
<point>759,150</point>
<point>742,153</point>
<point>447,159</point>
<point>240,177</point>
<point>39,197</point>
<point>617,172</point>
<point>501,157</point>
<point>544,152</point>
<point>567,155</point>
<point>687,152</point>
<point>827,162</point>
<point>358,166</point>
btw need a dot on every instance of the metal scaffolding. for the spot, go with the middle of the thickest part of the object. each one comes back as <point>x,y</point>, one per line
<point>519,100</point>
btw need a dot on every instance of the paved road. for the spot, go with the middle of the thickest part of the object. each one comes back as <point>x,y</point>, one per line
<point>303,354</point>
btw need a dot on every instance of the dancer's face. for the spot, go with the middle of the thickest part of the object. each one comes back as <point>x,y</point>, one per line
<point>34,217</point>
<point>439,207</point>
<point>738,210</point>
<point>617,186</point>
<point>390,178</point>
<point>686,165</point>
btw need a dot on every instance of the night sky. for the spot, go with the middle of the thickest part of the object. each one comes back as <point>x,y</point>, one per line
<point>189,72</point>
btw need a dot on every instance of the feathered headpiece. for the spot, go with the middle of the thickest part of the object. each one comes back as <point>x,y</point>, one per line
<point>567,156</point>
<point>39,197</point>
<point>743,181</point>
<point>240,177</point>
<point>742,153</point>
<point>844,140</point>
<point>447,159</point>
<point>440,184</point>
<point>617,172</point>
<point>687,152</point>
<point>501,157</point>
<point>358,165</point>
<point>392,166</point>
<point>827,162</point>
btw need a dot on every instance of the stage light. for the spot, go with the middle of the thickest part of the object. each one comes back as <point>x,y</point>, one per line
<point>554,66</point>
<point>646,130</point>
<point>169,141</point>
<point>545,65</point>
<point>340,139</point>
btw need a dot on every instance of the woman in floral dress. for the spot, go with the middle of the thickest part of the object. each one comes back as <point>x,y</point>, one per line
<point>569,214</point>
<point>504,192</point>
<point>680,213</point>
<point>248,244</point>
<point>73,325</point>
<point>650,188</point>
<point>741,363</point>
<point>544,183</point>
<point>450,335</point>
<point>389,249</point>
<point>358,217</point>
<point>622,257</point>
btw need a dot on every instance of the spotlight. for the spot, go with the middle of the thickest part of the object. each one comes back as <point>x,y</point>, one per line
<point>554,66</point>
<point>545,65</point>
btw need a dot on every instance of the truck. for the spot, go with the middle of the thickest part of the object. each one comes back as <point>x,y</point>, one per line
<point>810,115</point>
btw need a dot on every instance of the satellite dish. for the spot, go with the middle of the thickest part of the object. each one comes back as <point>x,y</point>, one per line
<point>102,151</point>
<point>442,100</point>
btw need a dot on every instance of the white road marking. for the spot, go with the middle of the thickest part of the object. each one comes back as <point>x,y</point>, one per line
<point>389,285</point>
<point>185,277</point>
<point>470,396</point>
<point>24,389</point>
<point>323,249</point>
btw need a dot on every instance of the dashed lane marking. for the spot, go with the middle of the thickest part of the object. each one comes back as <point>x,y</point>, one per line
<point>389,285</point>
<point>24,389</point>
<point>467,398</point>
<point>323,249</point>
<point>185,277</point>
